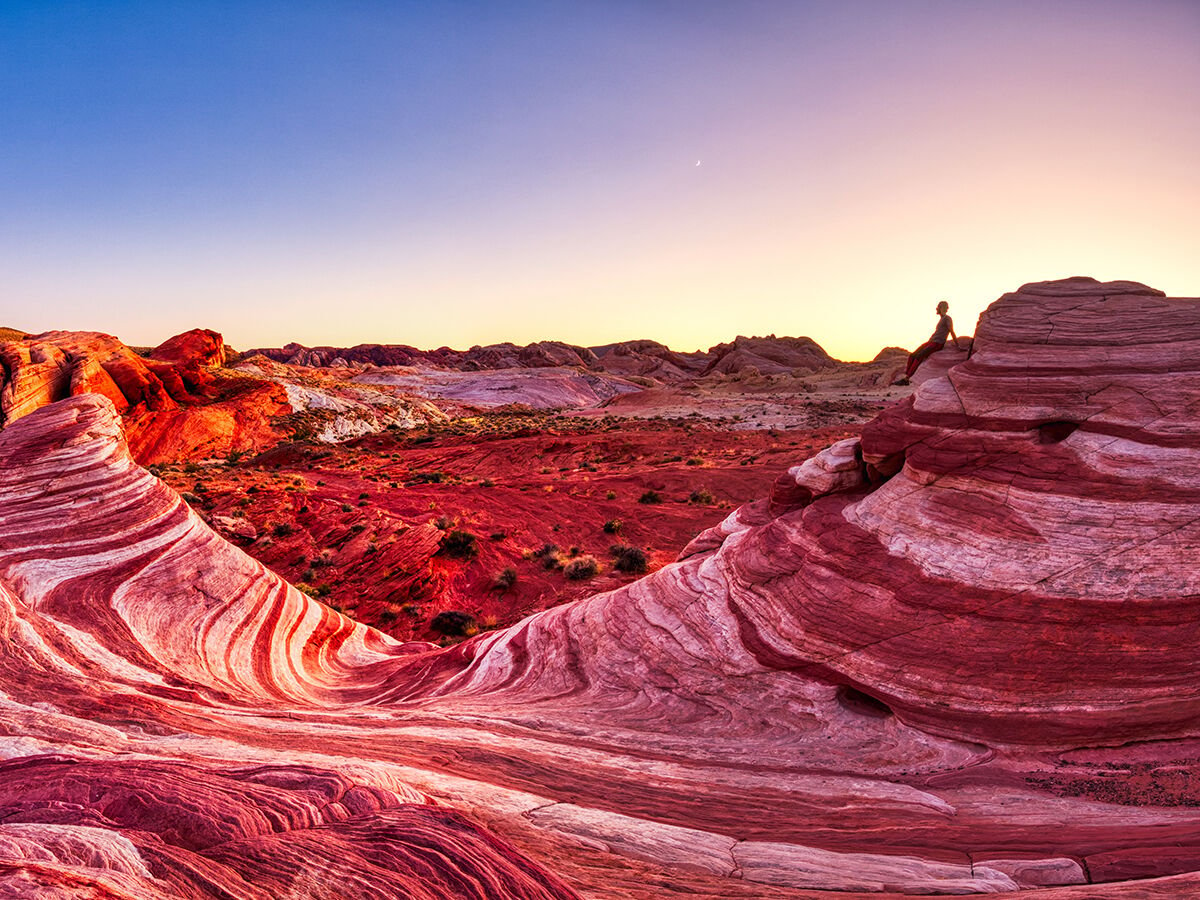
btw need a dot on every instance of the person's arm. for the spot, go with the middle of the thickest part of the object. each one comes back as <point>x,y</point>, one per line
<point>953,336</point>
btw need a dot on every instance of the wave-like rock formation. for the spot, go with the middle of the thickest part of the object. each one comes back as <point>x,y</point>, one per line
<point>135,640</point>
<point>955,656</point>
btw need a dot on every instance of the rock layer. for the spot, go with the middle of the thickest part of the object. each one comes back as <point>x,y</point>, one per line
<point>958,656</point>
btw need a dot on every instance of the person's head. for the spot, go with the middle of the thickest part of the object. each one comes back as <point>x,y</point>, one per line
<point>943,308</point>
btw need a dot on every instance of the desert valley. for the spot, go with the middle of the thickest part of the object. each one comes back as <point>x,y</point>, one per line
<point>610,622</point>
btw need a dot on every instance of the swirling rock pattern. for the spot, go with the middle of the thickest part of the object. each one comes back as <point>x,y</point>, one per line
<point>957,656</point>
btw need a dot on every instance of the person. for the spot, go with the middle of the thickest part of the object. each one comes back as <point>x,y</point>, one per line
<point>937,340</point>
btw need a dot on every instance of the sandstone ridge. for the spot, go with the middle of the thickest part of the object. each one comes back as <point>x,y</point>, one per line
<point>643,357</point>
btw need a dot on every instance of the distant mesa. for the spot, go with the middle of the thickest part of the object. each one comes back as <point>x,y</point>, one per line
<point>956,655</point>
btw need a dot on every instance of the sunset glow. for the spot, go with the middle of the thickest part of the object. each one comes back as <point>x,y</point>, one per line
<point>459,174</point>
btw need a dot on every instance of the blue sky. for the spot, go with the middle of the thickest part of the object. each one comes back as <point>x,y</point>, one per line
<point>460,173</point>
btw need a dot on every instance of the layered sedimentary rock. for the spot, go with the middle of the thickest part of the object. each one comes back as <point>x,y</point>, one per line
<point>49,367</point>
<point>124,619</point>
<point>769,354</point>
<point>543,354</point>
<point>957,656</point>
<point>543,388</point>
<point>195,348</point>
<point>176,406</point>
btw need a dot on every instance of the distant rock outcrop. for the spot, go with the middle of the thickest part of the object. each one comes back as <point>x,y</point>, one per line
<point>544,354</point>
<point>195,348</point>
<point>649,359</point>
<point>768,355</point>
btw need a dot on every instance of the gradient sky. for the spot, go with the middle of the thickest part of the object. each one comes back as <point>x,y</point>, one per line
<point>458,173</point>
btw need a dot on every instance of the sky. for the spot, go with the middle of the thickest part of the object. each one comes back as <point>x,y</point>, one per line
<point>460,173</point>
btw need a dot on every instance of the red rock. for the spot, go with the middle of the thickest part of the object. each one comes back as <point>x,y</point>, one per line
<point>198,347</point>
<point>51,366</point>
<point>977,674</point>
<point>173,407</point>
<point>768,355</point>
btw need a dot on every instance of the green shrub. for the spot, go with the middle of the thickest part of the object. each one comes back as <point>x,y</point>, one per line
<point>505,579</point>
<point>702,496</point>
<point>650,497</point>
<point>612,526</point>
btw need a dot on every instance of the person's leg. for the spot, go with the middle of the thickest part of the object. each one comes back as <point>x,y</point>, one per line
<point>919,356</point>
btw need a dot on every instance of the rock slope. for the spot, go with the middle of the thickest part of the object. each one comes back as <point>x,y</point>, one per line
<point>955,656</point>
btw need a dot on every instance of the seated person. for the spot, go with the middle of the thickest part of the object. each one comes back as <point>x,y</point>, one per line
<point>945,327</point>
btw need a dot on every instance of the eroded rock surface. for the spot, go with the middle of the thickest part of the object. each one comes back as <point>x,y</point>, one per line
<point>959,657</point>
<point>175,403</point>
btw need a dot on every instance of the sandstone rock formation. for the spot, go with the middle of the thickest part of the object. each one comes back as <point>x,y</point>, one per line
<point>44,368</point>
<point>541,388</point>
<point>959,656</point>
<point>161,623</point>
<point>193,349</point>
<point>768,355</point>
<point>175,405</point>
<point>543,354</point>
<point>646,358</point>
<point>649,359</point>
